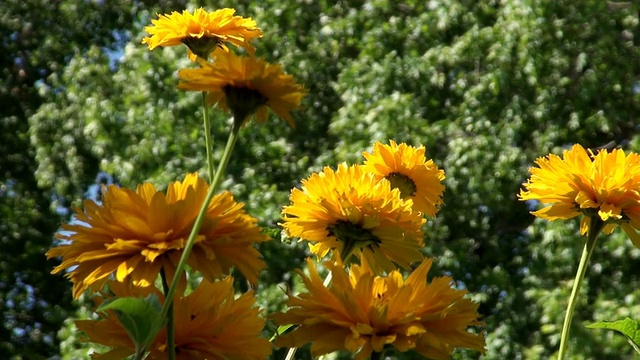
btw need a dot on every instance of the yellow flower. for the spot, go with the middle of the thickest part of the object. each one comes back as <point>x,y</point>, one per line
<point>135,234</point>
<point>209,324</point>
<point>363,313</point>
<point>605,186</point>
<point>244,86</point>
<point>409,171</point>
<point>202,31</point>
<point>351,212</point>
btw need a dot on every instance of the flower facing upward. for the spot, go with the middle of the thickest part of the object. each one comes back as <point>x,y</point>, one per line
<point>363,313</point>
<point>202,31</point>
<point>135,234</point>
<point>605,186</point>
<point>350,212</point>
<point>409,171</point>
<point>209,324</point>
<point>245,86</point>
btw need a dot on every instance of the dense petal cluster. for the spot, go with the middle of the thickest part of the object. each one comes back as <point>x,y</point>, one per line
<point>202,31</point>
<point>210,323</point>
<point>407,168</point>
<point>353,213</point>
<point>605,185</point>
<point>363,313</point>
<point>245,86</point>
<point>135,234</point>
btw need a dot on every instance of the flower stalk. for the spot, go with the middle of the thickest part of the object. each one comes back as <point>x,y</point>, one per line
<point>171,337</point>
<point>595,226</point>
<point>198,224</point>
<point>207,136</point>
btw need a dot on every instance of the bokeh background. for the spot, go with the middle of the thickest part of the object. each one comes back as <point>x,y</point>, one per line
<point>487,86</point>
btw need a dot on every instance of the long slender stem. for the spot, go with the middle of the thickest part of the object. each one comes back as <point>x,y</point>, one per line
<point>207,136</point>
<point>171,335</point>
<point>595,227</point>
<point>140,352</point>
<point>292,351</point>
<point>198,223</point>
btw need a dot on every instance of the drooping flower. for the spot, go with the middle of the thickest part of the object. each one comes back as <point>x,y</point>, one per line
<point>352,213</point>
<point>408,170</point>
<point>202,31</point>
<point>363,313</point>
<point>245,86</point>
<point>135,234</point>
<point>604,186</point>
<point>209,324</point>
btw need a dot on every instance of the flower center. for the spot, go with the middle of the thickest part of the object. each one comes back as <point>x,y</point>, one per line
<point>351,236</point>
<point>243,102</point>
<point>403,183</point>
<point>201,46</point>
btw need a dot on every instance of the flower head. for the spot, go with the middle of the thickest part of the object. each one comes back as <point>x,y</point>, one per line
<point>604,186</point>
<point>409,171</point>
<point>363,313</point>
<point>349,211</point>
<point>134,234</point>
<point>210,323</point>
<point>245,86</point>
<point>202,31</point>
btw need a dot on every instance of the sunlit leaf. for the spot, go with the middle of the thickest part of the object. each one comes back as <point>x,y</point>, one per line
<point>627,327</point>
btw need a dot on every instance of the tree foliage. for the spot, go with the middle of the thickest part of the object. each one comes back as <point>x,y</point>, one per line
<point>38,40</point>
<point>486,86</point>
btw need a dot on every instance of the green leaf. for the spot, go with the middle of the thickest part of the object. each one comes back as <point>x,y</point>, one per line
<point>136,315</point>
<point>628,327</point>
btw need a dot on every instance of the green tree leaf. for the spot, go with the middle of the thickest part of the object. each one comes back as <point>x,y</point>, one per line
<point>628,327</point>
<point>136,315</point>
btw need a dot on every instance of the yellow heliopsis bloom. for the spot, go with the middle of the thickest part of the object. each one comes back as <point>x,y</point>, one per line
<point>202,31</point>
<point>245,86</point>
<point>352,213</point>
<point>135,234</point>
<point>408,170</point>
<point>210,323</point>
<point>363,313</point>
<point>604,186</point>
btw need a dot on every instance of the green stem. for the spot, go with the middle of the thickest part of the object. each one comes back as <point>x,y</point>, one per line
<point>207,136</point>
<point>198,223</point>
<point>377,355</point>
<point>290,354</point>
<point>171,335</point>
<point>292,351</point>
<point>139,353</point>
<point>595,227</point>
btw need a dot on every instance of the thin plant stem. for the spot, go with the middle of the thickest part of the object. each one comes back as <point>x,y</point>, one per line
<point>197,224</point>
<point>292,351</point>
<point>171,334</point>
<point>207,136</point>
<point>139,354</point>
<point>595,227</point>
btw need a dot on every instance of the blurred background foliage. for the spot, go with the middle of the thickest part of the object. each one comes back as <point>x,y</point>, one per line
<point>487,86</point>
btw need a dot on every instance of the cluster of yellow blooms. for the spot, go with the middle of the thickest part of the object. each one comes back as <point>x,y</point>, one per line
<point>370,218</point>
<point>367,219</point>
